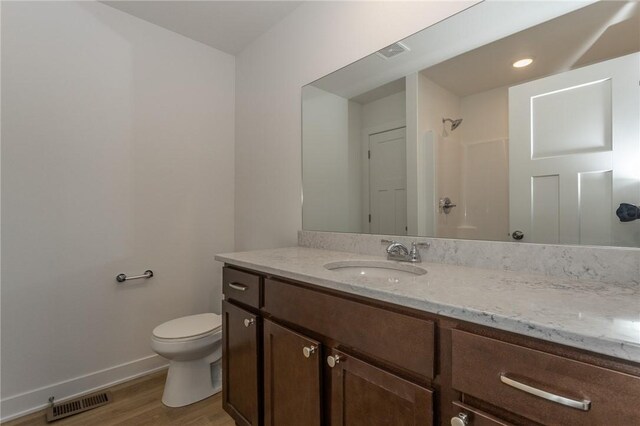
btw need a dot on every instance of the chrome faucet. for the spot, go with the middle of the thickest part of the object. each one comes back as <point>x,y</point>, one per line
<point>399,252</point>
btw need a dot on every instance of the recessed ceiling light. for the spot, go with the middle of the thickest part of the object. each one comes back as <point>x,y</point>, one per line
<point>521,63</point>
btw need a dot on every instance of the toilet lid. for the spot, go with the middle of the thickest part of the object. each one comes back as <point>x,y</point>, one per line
<point>191,326</point>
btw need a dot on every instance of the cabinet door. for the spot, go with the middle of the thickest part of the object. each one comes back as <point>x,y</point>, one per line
<point>240,360</point>
<point>362,394</point>
<point>292,371</point>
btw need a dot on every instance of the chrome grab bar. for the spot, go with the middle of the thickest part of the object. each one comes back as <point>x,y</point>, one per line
<point>123,277</point>
<point>583,405</point>
<point>239,287</point>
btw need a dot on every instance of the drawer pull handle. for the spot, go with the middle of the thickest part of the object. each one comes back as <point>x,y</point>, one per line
<point>308,350</point>
<point>249,321</point>
<point>333,360</point>
<point>583,405</point>
<point>239,287</point>
<point>461,419</point>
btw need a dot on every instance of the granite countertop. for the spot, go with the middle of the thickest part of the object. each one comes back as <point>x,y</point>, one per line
<point>601,318</point>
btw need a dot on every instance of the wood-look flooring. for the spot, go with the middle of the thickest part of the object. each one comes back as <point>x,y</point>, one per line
<point>138,403</point>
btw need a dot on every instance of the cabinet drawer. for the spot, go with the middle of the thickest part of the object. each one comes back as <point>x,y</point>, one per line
<point>402,340</point>
<point>546,388</point>
<point>241,286</point>
<point>474,417</point>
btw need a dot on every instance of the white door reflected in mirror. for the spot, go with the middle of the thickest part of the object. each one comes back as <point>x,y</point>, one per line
<point>574,152</point>
<point>388,182</point>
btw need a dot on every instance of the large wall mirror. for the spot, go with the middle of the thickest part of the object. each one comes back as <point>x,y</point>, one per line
<point>510,121</point>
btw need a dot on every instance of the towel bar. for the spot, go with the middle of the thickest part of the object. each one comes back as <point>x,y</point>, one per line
<point>123,277</point>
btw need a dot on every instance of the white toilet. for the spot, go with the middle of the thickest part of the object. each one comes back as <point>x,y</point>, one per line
<point>194,348</point>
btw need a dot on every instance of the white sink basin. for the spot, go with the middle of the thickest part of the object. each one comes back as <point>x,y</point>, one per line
<point>375,269</point>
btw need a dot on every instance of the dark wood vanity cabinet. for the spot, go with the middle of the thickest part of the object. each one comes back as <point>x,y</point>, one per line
<point>359,393</point>
<point>543,387</point>
<point>365,395</point>
<point>292,377</point>
<point>472,416</point>
<point>312,379</point>
<point>375,331</point>
<point>240,364</point>
<point>242,346</point>
<point>298,354</point>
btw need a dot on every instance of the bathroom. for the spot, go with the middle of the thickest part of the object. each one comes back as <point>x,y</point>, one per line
<point>155,136</point>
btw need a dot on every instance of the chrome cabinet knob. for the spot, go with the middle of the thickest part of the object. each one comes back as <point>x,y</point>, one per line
<point>308,350</point>
<point>517,235</point>
<point>332,360</point>
<point>462,419</point>
<point>249,321</point>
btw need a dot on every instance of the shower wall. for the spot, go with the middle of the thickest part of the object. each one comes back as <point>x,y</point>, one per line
<point>484,204</point>
<point>472,166</point>
<point>437,102</point>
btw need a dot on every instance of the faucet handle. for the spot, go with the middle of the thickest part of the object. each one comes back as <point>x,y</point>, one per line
<point>384,240</point>
<point>414,254</point>
<point>424,244</point>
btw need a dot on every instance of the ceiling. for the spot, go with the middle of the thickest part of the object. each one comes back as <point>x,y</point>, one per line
<point>593,34</point>
<point>477,26</point>
<point>229,26</point>
<point>380,92</point>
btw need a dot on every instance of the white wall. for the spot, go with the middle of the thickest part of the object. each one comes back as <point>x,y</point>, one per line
<point>326,160</point>
<point>117,156</point>
<point>270,74</point>
<point>355,168</point>
<point>332,162</point>
<point>384,111</point>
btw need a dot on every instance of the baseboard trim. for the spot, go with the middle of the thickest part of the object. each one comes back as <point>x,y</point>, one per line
<point>29,402</point>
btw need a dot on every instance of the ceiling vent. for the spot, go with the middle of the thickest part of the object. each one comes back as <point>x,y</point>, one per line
<point>392,50</point>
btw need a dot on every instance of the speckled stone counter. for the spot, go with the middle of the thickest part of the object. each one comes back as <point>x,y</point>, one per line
<point>601,318</point>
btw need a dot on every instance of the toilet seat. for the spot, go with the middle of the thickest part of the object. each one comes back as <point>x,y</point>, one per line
<point>191,327</point>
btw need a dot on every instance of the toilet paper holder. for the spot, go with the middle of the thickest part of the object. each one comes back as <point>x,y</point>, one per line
<point>123,277</point>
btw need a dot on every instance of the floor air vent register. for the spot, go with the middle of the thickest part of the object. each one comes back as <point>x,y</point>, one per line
<point>78,405</point>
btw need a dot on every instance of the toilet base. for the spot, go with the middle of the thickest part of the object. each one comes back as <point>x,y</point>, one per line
<point>191,381</point>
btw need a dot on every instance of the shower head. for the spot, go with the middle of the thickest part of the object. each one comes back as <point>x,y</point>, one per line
<point>454,123</point>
